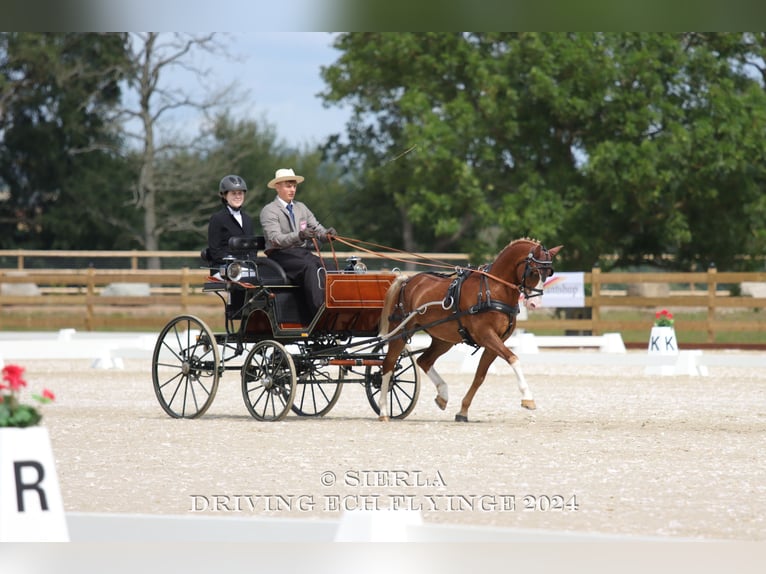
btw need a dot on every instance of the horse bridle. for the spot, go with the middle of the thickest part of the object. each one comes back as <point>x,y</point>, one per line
<point>531,265</point>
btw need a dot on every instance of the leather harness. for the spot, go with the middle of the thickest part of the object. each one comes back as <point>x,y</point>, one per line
<point>452,301</point>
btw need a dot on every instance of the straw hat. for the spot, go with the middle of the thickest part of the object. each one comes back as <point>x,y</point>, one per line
<point>284,175</point>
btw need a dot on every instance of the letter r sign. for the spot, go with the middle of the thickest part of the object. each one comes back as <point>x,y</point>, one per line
<point>31,509</point>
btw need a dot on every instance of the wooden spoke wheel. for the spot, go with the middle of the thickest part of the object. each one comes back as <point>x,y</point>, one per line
<point>268,381</point>
<point>185,367</point>
<point>318,390</point>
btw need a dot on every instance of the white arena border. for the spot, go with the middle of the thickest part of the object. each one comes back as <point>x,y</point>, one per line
<point>351,526</point>
<point>108,350</point>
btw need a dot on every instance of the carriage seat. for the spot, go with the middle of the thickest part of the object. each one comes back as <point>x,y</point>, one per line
<point>241,247</point>
<point>290,306</point>
<point>246,248</point>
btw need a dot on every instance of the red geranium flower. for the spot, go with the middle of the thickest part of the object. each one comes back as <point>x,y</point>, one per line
<point>12,412</point>
<point>663,318</point>
<point>12,374</point>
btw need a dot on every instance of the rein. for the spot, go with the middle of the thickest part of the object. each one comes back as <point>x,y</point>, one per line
<point>356,244</point>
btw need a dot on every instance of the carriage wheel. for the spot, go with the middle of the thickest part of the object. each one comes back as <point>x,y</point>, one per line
<point>185,367</point>
<point>268,381</point>
<point>405,384</point>
<point>318,390</point>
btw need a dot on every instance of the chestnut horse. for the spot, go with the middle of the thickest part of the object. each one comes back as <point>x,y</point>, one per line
<point>477,306</point>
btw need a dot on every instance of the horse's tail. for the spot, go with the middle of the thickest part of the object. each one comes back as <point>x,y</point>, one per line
<point>388,302</point>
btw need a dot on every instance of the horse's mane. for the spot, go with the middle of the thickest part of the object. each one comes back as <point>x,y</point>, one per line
<point>513,242</point>
<point>519,240</point>
<point>524,239</point>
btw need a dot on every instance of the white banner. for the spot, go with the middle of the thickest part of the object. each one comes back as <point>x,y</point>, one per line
<point>565,289</point>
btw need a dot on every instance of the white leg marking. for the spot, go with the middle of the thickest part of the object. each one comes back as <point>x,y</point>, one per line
<point>441,386</point>
<point>383,399</point>
<point>526,393</point>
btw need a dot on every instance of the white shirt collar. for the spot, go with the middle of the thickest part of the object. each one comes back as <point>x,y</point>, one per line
<point>237,215</point>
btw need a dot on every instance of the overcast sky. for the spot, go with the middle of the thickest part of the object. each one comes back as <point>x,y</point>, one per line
<point>278,73</point>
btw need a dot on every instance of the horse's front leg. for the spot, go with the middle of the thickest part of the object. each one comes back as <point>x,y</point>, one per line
<point>496,345</point>
<point>481,373</point>
<point>527,401</point>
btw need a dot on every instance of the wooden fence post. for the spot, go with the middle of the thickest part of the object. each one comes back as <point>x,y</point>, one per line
<point>712,287</point>
<point>90,293</point>
<point>595,298</point>
<point>184,288</point>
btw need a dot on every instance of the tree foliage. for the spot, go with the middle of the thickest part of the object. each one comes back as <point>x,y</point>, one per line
<point>55,90</point>
<point>637,145</point>
<point>252,150</point>
<point>92,157</point>
<point>629,144</point>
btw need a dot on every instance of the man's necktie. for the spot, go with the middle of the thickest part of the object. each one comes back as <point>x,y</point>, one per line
<point>292,215</point>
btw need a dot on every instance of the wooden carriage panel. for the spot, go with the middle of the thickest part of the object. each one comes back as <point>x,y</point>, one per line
<point>354,291</point>
<point>353,305</point>
<point>354,302</point>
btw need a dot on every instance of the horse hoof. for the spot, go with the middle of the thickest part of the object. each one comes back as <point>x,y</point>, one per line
<point>441,403</point>
<point>461,418</point>
<point>529,404</point>
<point>384,419</point>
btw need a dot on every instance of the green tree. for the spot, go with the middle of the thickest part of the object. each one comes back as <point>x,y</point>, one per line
<point>630,144</point>
<point>56,91</point>
<point>251,149</point>
<point>157,150</point>
<point>675,166</point>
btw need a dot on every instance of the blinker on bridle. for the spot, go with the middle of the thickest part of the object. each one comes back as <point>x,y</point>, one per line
<point>532,264</point>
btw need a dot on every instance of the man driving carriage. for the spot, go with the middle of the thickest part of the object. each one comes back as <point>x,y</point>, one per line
<point>291,230</point>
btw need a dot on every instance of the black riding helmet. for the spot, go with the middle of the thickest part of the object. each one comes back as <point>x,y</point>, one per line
<point>230,183</point>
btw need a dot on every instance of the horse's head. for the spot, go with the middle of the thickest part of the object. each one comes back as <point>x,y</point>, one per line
<point>533,271</point>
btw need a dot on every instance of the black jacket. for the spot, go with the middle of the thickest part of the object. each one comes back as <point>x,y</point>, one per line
<point>222,226</point>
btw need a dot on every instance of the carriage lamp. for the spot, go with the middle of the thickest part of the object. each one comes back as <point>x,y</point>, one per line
<point>355,265</point>
<point>232,271</point>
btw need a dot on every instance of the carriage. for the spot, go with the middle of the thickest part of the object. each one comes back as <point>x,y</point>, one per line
<point>289,360</point>
<point>297,362</point>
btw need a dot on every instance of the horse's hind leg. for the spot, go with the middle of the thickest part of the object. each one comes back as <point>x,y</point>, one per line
<point>426,363</point>
<point>395,348</point>
<point>383,398</point>
<point>481,373</point>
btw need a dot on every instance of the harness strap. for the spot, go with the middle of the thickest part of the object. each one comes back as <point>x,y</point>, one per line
<point>452,299</point>
<point>485,303</point>
<point>398,314</point>
<point>493,306</point>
